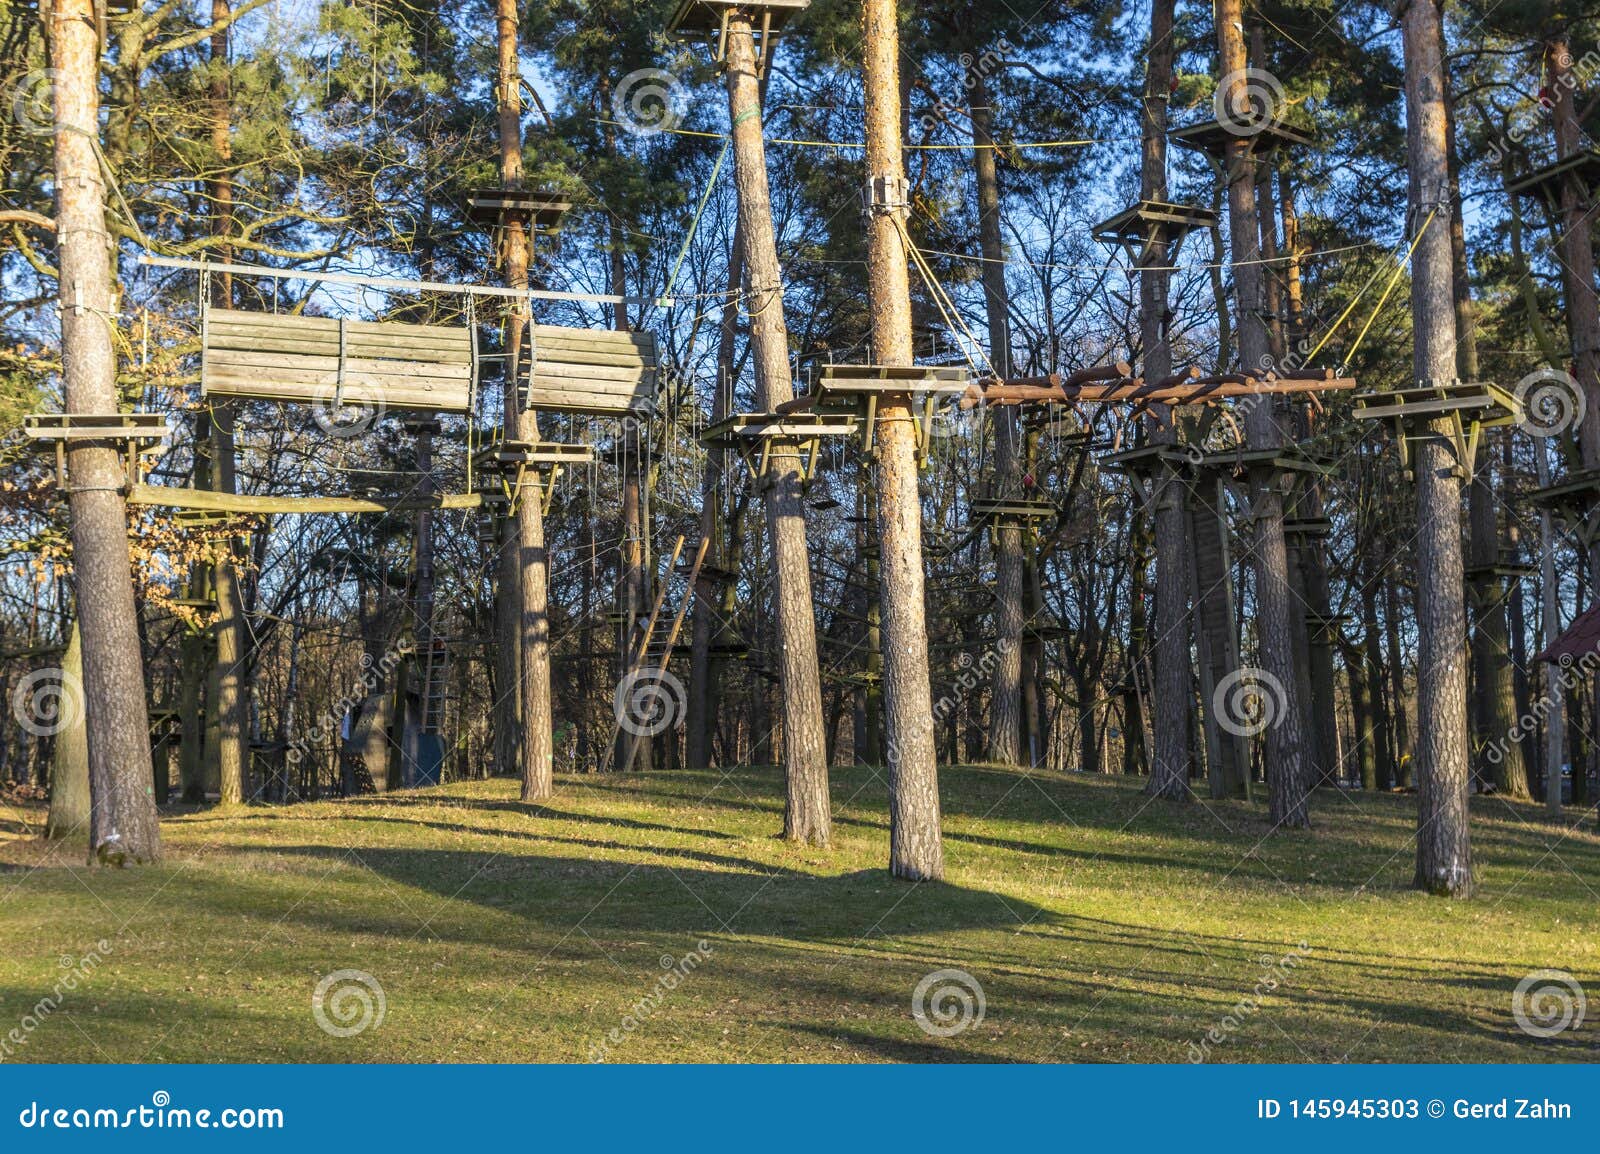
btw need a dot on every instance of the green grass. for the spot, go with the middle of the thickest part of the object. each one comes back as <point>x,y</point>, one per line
<point>1100,926</point>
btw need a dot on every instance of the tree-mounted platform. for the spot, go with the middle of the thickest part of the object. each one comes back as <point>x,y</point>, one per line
<point>592,372</point>
<point>540,210</point>
<point>1149,222</point>
<point>856,392</point>
<point>504,466</point>
<point>1263,134</point>
<point>1303,529</point>
<point>1248,474</point>
<point>336,361</point>
<point>1010,511</point>
<point>1467,406</point>
<point>1505,569</point>
<point>1574,502</point>
<point>761,438</point>
<point>1325,627</point>
<point>694,18</point>
<point>1547,182</point>
<point>134,433</point>
<point>1146,465</point>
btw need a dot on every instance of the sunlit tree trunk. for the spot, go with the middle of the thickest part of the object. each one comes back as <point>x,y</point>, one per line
<point>123,827</point>
<point>1444,858</point>
<point>1287,778</point>
<point>916,849</point>
<point>1171,762</point>
<point>524,573</point>
<point>807,810</point>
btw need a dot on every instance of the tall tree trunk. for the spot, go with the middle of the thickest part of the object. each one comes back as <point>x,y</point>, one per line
<point>1172,763</point>
<point>916,850</point>
<point>705,625</point>
<point>807,815</point>
<point>1493,703</point>
<point>1583,305</point>
<point>123,825</point>
<point>233,658</point>
<point>1005,693</point>
<point>525,568</point>
<point>1444,857</point>
<point>1287,779</point>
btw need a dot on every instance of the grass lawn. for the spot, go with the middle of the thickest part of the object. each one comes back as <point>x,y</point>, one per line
<point>1100,927</point>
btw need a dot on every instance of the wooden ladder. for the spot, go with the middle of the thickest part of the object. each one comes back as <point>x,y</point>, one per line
<point>435,671</point>
<point>636,653</point>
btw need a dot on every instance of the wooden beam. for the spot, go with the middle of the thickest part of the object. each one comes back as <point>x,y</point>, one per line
<point>209,501</point>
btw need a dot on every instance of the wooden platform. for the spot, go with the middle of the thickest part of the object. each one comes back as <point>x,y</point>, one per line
<point>53,427</point>
<point>1149,221</point>
<point>1573,498</point>
<point>711,17</point>
<point>1545,183</point>
<point>596,372</point>
<point>758,437</point>
<point>1011,510</point>
<point>136,434</point>
<point>855,392</point>
<point>517,456</point>
<point>1467,406</point>
<point>542,210</point>
<point>326,360</point>
<point>1268,135</point>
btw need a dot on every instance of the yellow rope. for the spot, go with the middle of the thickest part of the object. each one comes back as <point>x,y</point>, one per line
<point>1388,288</point>
<point>1354,301</point>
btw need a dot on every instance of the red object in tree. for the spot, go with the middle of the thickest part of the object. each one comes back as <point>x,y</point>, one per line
<point>1027,480</point>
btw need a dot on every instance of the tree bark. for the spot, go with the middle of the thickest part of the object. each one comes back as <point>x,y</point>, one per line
<point>1005,688</point>
<point>916,850</point>
<point>123,824</point>
<point>69,765</point>
<point>705,625</point>
<point>525,569</point>
<point>1444,858</point>
<point>1172,762</point>
<point>1287,779</point>
<point>807,810</point>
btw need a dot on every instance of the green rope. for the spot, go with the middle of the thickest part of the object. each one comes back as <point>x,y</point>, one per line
<point>705,197</point>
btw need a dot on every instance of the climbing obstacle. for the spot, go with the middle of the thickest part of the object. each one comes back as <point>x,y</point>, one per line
<point>855,393</point>
<point>1545,183</point>
<point>1151,222</point>
<point>137,434</point>
<point>710,18</point>
<point>1260,134</point>
<point>1468,407</point>
<point>595,372</point>
<point>327,360</point>
<point>759,437</point>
